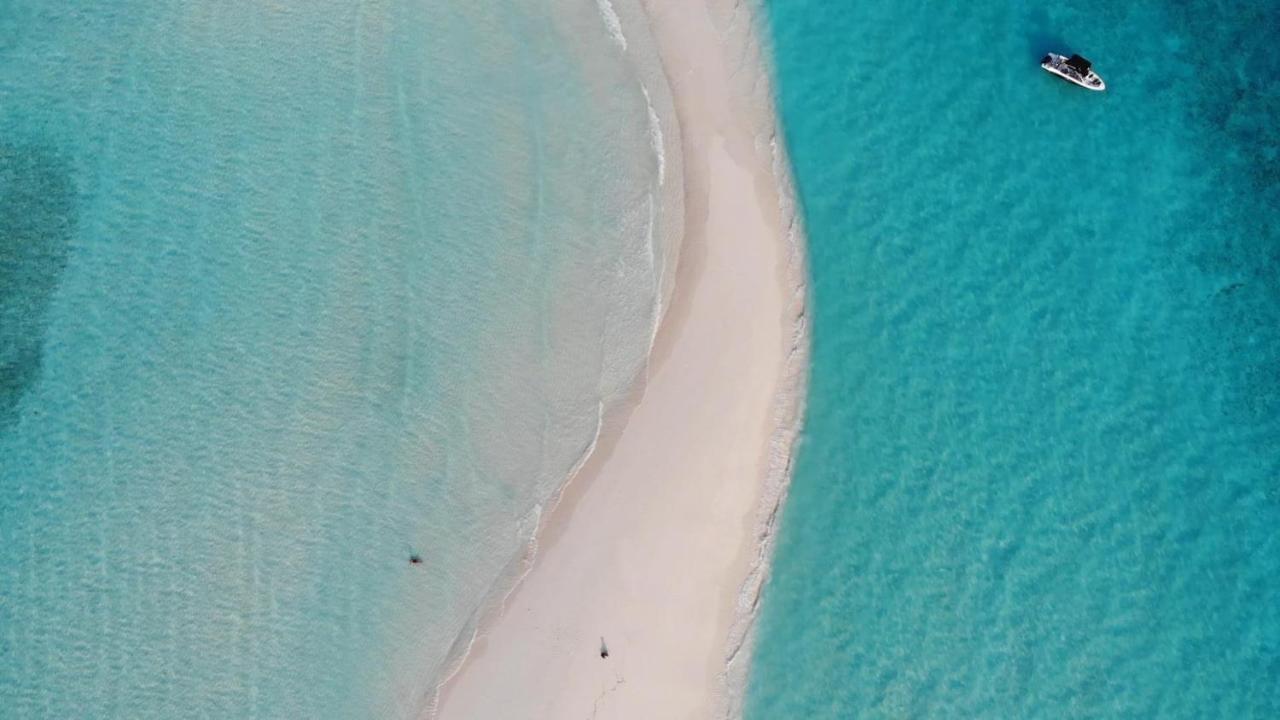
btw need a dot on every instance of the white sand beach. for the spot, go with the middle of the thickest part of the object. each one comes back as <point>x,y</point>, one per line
<point>657,547</point>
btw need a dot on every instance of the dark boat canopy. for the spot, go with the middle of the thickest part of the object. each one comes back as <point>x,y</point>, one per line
<point>1079,64</point>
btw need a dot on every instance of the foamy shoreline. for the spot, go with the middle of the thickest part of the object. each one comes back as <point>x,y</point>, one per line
<point>637,534</point>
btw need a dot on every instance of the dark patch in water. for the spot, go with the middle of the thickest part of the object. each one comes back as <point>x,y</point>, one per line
<point>37,221</point>
<point>1238,101</point>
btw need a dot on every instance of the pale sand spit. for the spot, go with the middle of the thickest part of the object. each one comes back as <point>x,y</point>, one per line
<point>659,545</point>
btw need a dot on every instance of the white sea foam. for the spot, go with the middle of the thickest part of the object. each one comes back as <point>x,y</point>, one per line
<point>527,531</point>
<point>611,21</point>
<point>655,266</point>
<point>656,139</point>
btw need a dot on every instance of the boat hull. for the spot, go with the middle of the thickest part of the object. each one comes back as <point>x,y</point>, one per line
<point>1051,65</point>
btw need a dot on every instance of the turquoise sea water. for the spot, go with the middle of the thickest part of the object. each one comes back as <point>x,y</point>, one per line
<point>289,291</point>
<point>1040,475</point>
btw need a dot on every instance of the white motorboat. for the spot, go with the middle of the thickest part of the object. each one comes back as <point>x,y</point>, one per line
<point>1074,69</point>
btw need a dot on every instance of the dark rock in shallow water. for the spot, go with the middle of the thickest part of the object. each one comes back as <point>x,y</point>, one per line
<point>37,222</point>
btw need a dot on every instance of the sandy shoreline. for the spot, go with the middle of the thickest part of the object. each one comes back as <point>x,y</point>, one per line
<point>660,543</point>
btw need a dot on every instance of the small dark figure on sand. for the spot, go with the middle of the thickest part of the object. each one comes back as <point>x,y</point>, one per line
<point>604,649</point>
<point>415,559</point>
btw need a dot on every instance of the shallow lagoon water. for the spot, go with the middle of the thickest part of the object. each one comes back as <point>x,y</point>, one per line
<point>289,292</point>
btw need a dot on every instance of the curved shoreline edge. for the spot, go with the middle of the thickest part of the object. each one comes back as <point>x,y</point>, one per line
<point>748,134</point>
<point>612,412</point>
<point>790,402</point>
<point>789,412</point>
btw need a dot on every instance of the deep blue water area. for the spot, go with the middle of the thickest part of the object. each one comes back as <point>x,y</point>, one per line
<point>1040,475</point>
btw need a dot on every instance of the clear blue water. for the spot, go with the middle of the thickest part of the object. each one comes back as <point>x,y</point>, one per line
<point>288,291</point>
<point>1040,475</point>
